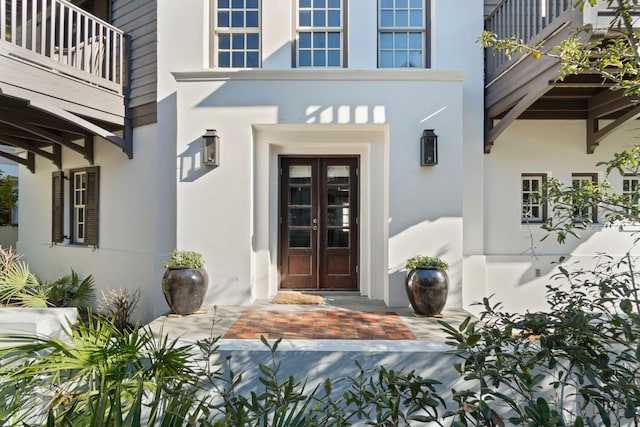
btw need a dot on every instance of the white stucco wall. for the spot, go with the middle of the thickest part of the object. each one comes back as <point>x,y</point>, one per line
<point>227,213</point>
<point>133,230</point>
<point>466,209</point>
<point>216,205</point>
<point>557,148</point>
<point>164,198</point>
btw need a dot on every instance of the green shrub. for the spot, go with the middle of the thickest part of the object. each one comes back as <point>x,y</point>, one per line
<point>576,364</point>
<point>427,262</point>
<point>184,259</point>
<point>70,291</point>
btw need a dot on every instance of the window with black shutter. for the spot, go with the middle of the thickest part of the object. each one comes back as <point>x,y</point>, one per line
<point>91,206</point>
<point>84,205</point>
<point>57,206</point>
<point>84,195</point>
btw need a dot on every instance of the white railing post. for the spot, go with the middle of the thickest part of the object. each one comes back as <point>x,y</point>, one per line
<point>3,20</point>
<point>43,29</point>
<point>65,33</point>
<point>14,24</point>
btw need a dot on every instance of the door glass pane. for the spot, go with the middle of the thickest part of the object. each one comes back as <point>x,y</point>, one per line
<point>338,196</point>
<point>300,174</point>
<point>337,238</point>
<point>299,216</point>
<point>338,174</point>
<point>299,238</point>
<point>300,195</point>
<point>338,217</point>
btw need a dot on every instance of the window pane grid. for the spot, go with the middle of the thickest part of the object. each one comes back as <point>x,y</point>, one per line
<point>79,201</point>
<point>631,192</point>
<point>320,29</point>
<point>401,33</point>
<point>237,33</point>
<point>532,206</point>
<point>401,14</point>
<point>582,212</point>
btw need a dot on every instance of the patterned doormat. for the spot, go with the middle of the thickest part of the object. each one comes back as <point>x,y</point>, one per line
<point>320,324</point>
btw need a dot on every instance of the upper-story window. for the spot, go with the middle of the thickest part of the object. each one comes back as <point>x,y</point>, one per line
<point>320,33</point>
<point>402,33</point>
<point>237,33</point>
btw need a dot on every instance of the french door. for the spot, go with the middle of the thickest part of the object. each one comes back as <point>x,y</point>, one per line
<point>319,223</point>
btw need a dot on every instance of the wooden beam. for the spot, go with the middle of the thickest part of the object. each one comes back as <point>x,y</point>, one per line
<point>88,148</point>
<point>25,145</point>
<point>582,85</point>
<point>552,115</point>
<point>504,93</point>
<point>592,128</point>
<point>595,135</point>
<point>538,88</point>
<point>609,102</point>
<point>17,133</point>
<point>126,146</point>
<point>48,136</point>
<point>559,105</point>
<point>57,155</point>
<point>29,162</point>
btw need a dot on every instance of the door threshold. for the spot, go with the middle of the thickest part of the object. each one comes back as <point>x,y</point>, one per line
<point>335,292</point>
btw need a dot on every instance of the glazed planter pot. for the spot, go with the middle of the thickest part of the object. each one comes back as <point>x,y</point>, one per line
<point>427,289</point>
<point>184,288</point>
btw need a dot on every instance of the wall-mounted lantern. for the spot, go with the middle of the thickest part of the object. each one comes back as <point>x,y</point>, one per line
<point>211,148</point>
<point>428,148</point>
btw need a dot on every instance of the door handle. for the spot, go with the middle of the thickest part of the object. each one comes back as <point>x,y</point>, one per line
<point>315,227</point>
<point>315,220</point>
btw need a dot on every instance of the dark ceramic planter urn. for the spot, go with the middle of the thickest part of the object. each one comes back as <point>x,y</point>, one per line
<point>184,288</point>
<point>427,289</point>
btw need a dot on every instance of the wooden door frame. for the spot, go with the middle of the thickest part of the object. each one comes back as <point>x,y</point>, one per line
<point>354,228</point>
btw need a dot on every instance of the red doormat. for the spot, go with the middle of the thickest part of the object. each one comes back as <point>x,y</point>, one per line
<point>319,325</point>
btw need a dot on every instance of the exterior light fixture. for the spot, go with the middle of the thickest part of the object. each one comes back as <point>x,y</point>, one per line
<point>211,148</point>
<point>428,148</point>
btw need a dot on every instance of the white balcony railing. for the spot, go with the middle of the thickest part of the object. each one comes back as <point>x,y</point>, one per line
<point>64,33</point>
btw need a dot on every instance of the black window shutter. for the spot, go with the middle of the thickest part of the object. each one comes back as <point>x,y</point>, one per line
<point>57,207</point>
<point>91,206</point>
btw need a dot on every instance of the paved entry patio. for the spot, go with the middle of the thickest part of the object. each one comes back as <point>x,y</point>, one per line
<point>341,317</point>
<point>320,324</point>
<point>322,341</point>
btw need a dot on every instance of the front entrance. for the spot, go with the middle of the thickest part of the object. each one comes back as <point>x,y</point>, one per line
<point>319,223</point>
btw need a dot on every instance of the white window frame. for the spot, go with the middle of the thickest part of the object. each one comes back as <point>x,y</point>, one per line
<point>529,194</point>
<point>79,192</point>
<point>631,189</point>
<point>229,30</point>
<point>579,180</point>
<point>326,29</point>
<point>393,6</point>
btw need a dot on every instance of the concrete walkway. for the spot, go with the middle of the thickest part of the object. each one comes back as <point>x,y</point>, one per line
<point>212,322</point>
<point>315,360</point>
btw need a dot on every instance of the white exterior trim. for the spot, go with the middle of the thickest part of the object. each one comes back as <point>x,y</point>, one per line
<point>329,74</point>
<point>371,144</point>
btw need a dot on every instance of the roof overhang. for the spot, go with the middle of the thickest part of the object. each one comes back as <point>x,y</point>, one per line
<point>43,129</point>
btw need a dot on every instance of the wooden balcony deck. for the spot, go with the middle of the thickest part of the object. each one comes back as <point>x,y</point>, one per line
<point>523,87</point>
<point>62,80</point>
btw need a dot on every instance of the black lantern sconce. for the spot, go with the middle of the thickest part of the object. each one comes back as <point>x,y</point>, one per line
<point>428,148</point>
<point>211,148</point>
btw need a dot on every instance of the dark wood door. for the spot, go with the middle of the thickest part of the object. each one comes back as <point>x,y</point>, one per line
<point>319,223</point>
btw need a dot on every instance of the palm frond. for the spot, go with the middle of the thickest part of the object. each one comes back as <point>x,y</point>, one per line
<point>14,280</point>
